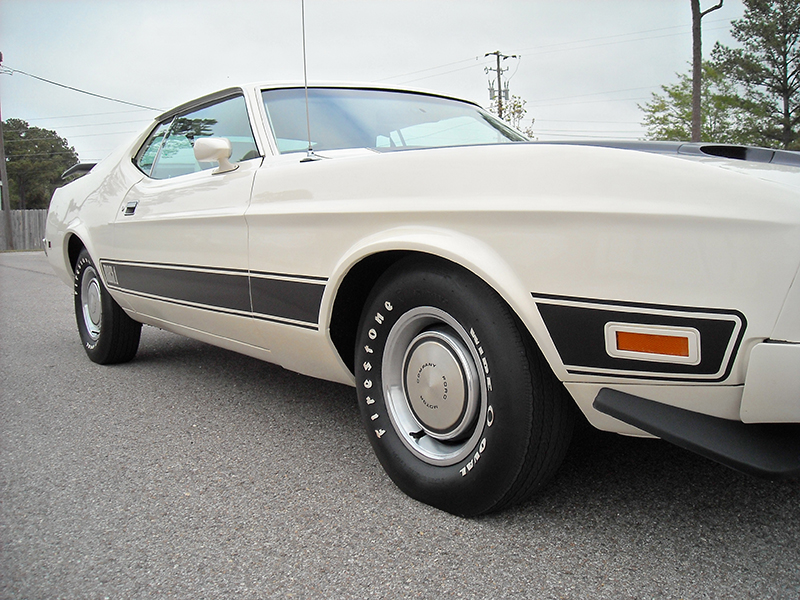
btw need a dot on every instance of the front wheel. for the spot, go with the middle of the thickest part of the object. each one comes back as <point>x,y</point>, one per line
<point>462,410</point>
<point>109,335</point>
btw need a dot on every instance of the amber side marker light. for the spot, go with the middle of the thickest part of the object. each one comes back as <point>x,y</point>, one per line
<point>654,343</point>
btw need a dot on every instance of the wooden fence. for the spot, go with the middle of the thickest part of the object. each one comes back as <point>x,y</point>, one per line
<point>27,228</point>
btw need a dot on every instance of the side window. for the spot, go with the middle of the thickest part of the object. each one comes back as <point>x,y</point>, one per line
<point>149,152</point>
<point>170,149</point>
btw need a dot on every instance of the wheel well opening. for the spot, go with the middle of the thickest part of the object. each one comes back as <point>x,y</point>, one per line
<point>356,287</point>
<point>351,297</point>
<point>74,247</point>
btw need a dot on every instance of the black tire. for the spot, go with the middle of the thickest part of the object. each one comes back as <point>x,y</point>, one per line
<point>461,408</point>
<point>109,335</point>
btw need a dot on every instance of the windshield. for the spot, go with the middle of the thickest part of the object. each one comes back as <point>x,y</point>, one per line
<point>380,119</point>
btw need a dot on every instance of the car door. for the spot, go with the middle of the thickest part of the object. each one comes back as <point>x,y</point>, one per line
<point>180,233</point>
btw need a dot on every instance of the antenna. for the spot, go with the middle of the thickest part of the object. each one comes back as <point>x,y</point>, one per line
<point>310,153</point>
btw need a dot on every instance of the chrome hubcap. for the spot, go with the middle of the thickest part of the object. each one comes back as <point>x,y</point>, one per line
<point>432,384</point>
<point>91,302</point>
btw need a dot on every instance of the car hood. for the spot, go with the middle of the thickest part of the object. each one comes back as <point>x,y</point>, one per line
<point>775,166</point>
<point>784,175</point>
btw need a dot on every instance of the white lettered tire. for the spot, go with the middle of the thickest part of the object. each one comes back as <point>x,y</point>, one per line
<point>461,409</point>
<point>108,335</point>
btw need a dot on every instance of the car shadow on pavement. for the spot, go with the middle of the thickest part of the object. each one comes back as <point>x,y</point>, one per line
<point>604,474</point>
<point>620,477</point>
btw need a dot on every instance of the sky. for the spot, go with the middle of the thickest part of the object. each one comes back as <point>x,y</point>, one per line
<point>584,66</point>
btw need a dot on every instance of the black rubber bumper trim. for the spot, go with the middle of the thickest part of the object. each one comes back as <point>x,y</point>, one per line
<point>766,450</point>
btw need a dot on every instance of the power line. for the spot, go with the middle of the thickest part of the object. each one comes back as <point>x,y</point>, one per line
<point>555,48</point>
<point>688,30</point>
<point>86,125</point>
<point>587,121</point>
<point>648,38</point>
<point>40,154</point>
<point>636,89</point>
<point>586,131</point>
<point>537,105</point>
<point>115,112</point>
<point>74,89</point>
<point>594,137</point>
<point>483,63</point>
<point>458,62</point>
<point>40,139</point>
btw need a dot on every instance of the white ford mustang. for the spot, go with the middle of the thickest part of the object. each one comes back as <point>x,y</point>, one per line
<point>472,286</point>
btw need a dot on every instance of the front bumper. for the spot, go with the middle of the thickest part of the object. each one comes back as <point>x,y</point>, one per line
<point>772,386</point>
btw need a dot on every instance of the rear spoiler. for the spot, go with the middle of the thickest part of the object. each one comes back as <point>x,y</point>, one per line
<point>731,151</point>
<point>81,168</point>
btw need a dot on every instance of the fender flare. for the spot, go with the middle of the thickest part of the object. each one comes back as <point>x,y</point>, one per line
<point>468,252</point>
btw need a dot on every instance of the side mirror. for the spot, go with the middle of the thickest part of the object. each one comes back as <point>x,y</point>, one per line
<point>213,149</point>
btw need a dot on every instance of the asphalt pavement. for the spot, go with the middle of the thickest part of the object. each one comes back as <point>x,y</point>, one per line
<point>194,472</point>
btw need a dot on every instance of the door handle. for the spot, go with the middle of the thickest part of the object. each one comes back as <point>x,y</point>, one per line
<point>130,207</point>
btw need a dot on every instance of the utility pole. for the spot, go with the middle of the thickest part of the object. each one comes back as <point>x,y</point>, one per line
<point>6,200</point>
<point>499,70</point>
<point>697,66</point>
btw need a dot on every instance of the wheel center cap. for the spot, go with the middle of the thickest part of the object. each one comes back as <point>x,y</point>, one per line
<point>435,382</point>
<point>93,303</point>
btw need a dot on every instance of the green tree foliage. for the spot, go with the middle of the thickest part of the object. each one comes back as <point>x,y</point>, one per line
<point>766,69</point>
<point>668,116</point>
<point>750,95</point>
<point>514,112</point>
<point>35,160</point>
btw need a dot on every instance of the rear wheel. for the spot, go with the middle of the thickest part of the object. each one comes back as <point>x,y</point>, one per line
<point>108,334</point>
<point>461,409</point>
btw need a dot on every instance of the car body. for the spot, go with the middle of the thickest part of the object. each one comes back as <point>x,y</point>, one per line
<point>472,285</point>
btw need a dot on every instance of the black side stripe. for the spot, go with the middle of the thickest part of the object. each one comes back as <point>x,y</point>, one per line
<point>220,290</point>
<point>296,300</point>
<point>290,299</point>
